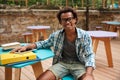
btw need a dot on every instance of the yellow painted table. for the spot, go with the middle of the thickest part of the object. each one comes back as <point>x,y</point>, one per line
<point>42,54</point>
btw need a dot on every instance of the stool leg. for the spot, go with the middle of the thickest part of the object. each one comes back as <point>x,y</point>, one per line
<point>28,37</point>
<point>17,73</point>
<point>25,39</point>
<point>8,73</point>
<point>44,34</point>
<point>31,39</point>
<point>37,68</point>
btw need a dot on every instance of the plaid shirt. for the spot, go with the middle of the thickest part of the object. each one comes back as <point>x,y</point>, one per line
<point>83,44</point>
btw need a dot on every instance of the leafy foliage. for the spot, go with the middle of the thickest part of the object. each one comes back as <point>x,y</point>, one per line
<point>59,3</point>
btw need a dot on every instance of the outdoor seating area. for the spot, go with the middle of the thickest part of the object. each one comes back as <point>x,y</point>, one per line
<point>102,72</point>
<point>28,21</point>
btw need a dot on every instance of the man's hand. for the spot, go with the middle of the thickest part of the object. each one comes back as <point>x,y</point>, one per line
<point>19,49</point>
<point>24,48</point>
<point>87,77</point>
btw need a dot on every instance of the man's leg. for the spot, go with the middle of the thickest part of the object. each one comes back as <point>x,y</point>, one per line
<point>47,75</point>
<point>55,72</point>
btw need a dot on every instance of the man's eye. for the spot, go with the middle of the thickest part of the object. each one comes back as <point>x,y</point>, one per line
<point>67,19</point>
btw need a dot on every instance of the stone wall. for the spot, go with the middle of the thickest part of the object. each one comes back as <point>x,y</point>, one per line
<point>14,22</point>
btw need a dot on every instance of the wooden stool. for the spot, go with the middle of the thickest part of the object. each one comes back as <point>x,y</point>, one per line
<point>68,77</point>
<point>28,37</point>
<point>98,27</point>
<point>38,31</point>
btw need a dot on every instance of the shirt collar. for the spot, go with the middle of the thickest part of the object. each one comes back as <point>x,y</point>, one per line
<point>77,30</point>
<point>79,33</point>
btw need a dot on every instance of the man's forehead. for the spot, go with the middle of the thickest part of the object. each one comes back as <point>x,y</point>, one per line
<point>66,14</point>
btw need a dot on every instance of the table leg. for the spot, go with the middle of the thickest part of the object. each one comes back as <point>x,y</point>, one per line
<point>38,35</point>
<point>107,48</point>
<point>118,31</point>
<point>113,28</point>
<point>17,73</point>
<point>106,27</point>
<point>95,44</point>
<point>8,73</point>
<point>108,51</point>
<point>37,68</point>
<point>44,33</point>
<point>34,35</point>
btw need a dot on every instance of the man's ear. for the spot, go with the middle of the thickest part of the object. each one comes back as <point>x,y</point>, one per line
<point>75,21</point>
<point>60,22</point>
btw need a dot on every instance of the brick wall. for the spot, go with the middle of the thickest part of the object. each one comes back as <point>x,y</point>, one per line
<point>14,22</point>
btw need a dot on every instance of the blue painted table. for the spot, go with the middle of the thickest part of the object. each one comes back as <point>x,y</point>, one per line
<point>42,54</point>
<point>113,25</point>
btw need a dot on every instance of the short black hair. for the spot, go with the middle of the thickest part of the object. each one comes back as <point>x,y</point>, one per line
<point>65,10</point>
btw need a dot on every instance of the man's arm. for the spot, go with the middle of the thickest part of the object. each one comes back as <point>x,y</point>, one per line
<point>90,61</point>
<point>90,55</point>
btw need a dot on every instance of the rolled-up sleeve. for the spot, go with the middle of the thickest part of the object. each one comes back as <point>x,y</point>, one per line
<point>45,43</point>
<point>90,56</point>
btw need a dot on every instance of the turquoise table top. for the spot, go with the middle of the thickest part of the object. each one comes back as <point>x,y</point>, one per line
<point>113,22</point>
<point>42,54</point>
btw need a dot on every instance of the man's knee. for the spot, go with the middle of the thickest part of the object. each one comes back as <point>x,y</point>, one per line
<point>81,77</point>
<point>47,75</point>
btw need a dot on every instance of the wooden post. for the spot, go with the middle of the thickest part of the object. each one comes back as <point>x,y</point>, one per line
<point>55,2</point>
<point>87,15</point>
<point>26,3</point>
<point>106,3</point>
<point>48,2</point>
<point>93,4</point>
<point>119,3</point>
<point>66,3</point>
<point>73,3</point>
<point>112,3</point>
<point>82,3</point>
<point>103,3</point>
